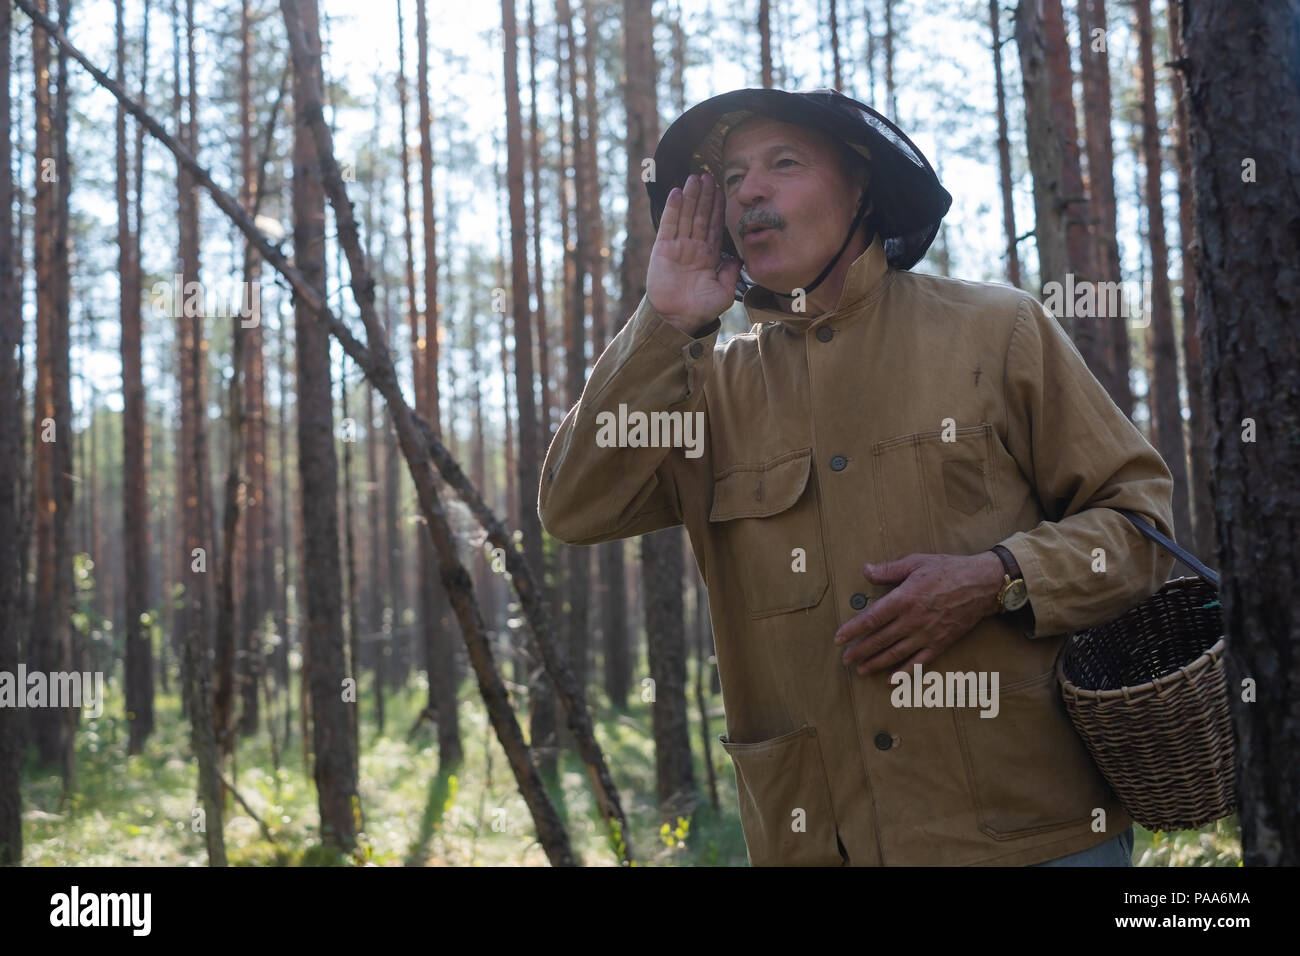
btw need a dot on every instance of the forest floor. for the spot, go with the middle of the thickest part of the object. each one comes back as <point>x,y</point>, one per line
<point>141,810</point>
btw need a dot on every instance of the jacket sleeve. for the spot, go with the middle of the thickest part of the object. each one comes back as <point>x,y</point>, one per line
<point>590,493</point>
<point>1085,459</point>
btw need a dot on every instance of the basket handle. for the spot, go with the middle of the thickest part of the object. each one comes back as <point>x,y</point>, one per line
<point>1169,545</point>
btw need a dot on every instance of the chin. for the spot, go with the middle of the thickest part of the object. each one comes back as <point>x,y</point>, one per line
<point>770,276</point>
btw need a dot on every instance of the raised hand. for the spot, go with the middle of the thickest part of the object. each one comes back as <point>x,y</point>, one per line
<point>689,282</point>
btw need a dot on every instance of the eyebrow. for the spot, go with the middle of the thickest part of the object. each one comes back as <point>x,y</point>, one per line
<point>783,147</point>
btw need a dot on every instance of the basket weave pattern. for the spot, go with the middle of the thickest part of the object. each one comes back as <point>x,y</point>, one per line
<point>1148,694</point>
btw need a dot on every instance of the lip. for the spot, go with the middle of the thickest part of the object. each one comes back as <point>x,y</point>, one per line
<point>758,232</point>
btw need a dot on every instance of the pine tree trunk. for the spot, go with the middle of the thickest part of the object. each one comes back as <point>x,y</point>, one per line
<point>52,426</point>
<point>1004,151</point>
<point>578,560</point>
<point>1166,404</point>
<point>334,745</point>
<point>541,695</point>
<point>837,70</point>
<point>284,564</point>
<point>199,552</point>
<point>1198,431</point>
<point>253,419</point>
<point>1057,182</point>
<point>12,463</point>
<point>539,279</point>
<point>661,553</point>
<point>135,445</point>
<point>1243,104</point>
<point>764,43</point>
<point>438,627</point>
<point>1112,330</point>
<point>891,97</point>
<point>1061,221</point>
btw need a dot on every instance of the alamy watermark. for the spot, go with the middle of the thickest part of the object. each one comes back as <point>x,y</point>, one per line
<point>242,300</point>
<point>75,908</point>
<point>946,689</point>
<point>651,430</point>
<point>1084,299</point>
<point>58,689</point>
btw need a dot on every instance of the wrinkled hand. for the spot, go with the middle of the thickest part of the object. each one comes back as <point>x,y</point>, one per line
<point>689,282</point>
<point>939,598</point>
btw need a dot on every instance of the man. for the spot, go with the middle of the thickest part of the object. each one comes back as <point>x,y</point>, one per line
<point>899,474</point>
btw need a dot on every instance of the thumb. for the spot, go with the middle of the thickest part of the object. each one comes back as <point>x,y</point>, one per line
<point>892,572</point>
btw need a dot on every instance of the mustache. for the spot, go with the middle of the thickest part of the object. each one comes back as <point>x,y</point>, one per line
<point>761,217</point>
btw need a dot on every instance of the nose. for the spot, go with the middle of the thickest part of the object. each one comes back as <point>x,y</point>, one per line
<point>751,189</point>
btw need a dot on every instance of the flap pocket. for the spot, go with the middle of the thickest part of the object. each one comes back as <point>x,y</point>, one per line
<point>767,519</point>
<point>756,491</point>
<point>785,801</point>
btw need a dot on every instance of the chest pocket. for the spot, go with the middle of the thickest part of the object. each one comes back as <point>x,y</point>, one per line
<point>937,496</point>
<point>770,523</point>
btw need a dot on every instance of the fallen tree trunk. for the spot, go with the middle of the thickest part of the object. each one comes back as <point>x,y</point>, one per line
<point>421,448</point>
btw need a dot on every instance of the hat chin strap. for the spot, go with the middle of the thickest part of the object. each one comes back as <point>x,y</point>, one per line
<point>853,228</point>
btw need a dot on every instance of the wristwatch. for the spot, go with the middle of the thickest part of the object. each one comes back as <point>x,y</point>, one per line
<point>1014,595</point>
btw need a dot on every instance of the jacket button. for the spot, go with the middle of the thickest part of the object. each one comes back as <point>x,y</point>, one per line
<point>884,741</point>
<point>696,350</point>
<point>825,333</point>
<point>839,463</point>
<point>858,601</point>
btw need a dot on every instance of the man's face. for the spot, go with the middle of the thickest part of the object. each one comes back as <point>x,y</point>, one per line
<point>789,200</point>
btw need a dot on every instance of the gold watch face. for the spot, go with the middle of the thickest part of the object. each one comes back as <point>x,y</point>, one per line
<point>1015,596</point>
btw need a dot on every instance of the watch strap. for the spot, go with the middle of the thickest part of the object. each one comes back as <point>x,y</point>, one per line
<point>1008,560</point>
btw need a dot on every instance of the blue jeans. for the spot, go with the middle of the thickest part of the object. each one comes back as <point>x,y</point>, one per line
<point>1117,851</point>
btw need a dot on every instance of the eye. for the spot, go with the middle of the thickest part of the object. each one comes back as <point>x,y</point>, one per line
<point>731,180</point>
<point>786,159</point>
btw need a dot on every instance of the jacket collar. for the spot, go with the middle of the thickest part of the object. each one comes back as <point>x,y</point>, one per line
<point>863,283</point>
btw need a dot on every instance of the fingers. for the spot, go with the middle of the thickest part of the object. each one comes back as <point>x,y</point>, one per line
<point>873,618</point>
<point>890,647</point>
<point>690,212</point>
<point>704,208</point>
<point>874,642</point>
<point>672,214</point>
<point>718,220</point>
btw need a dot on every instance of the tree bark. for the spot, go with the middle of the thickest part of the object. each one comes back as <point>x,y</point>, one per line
<point>1166,403</point>
<point>764,42</point>
<point>1061,206</point>
<point>52,427</point>
<point>837,70</point>
<point>197,517</point>
<point>1112,330</point>
<point>12,463</point>
<point>333,742</point>
<point>661,553</point>
<point>437,630</point>
<point>578,560</point>
<point>135,438</point>
<point>541,696</point>
<point>1243,104</point>
<point>1199,427</point>
<point>1012,257</point>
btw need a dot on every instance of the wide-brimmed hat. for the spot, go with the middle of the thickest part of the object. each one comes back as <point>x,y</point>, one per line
<point>907,200</point>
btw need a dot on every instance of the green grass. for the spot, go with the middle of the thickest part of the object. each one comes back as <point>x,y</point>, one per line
<point>140,810</point>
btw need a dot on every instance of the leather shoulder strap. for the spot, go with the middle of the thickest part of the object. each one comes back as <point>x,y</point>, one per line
<point>1168,544</point>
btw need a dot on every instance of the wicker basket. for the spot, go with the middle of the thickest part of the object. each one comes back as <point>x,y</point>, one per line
<point>1148,694</point>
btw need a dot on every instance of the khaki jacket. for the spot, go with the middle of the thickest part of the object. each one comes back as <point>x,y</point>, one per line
<point>827,434</point>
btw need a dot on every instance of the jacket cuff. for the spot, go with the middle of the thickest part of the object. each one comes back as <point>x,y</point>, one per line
<point>695,351</point>
<point>1037,587</point>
